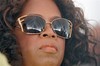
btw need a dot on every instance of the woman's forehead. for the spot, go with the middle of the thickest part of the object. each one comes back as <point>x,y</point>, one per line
<point>47,10</point>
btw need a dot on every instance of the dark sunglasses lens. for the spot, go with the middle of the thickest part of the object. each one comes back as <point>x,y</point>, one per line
<point>61,27</point>
<point>33,24</point>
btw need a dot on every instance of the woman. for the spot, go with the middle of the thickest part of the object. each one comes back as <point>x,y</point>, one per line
<point>43,33</point>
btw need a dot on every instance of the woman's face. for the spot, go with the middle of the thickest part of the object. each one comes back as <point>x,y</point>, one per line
<point>45,49</point>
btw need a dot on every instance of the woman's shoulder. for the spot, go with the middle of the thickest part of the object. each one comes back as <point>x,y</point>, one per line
<point>3,60</point>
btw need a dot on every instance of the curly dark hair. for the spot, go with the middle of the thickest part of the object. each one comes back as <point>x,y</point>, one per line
<point>76,49</point>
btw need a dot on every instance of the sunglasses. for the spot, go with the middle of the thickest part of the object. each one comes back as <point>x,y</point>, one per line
<point>35,24</point>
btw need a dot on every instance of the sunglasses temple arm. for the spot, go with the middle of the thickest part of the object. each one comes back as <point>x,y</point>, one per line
<point>70,25</point>
<point>21,19</point>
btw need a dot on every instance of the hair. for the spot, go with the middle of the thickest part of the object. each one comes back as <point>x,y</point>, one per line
<point>76,49</point>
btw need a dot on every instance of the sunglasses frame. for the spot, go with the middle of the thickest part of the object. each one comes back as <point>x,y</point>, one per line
<point>21,19</point>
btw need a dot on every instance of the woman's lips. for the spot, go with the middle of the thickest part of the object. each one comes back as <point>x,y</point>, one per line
<point>48,49</point>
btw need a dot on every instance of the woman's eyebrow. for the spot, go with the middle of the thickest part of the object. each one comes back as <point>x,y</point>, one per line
<point>51,19</point>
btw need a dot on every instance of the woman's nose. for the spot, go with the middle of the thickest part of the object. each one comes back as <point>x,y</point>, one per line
<point>48,32</point>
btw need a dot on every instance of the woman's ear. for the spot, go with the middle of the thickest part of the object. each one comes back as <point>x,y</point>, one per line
<point>3,60</point>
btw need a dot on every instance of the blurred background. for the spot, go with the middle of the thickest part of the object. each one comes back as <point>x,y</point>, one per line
<point>91,9</point>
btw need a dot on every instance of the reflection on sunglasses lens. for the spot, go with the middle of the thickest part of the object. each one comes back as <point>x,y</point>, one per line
<point>61,27</point>
<point>33,25</point>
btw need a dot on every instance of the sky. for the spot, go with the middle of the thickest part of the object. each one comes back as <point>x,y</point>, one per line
<point>91,9</point>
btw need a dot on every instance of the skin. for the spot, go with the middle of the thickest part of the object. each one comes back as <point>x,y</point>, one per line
<point>33,52</point>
